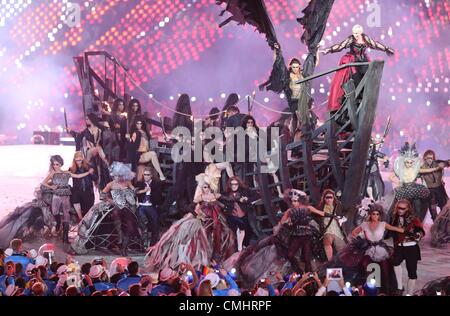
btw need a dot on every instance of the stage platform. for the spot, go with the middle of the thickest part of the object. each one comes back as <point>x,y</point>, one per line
<point>22,168</point>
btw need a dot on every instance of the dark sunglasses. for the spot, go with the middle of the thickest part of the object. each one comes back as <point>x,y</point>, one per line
<point>329,197</point>
<point>147,174</point>
<point>376,214</point>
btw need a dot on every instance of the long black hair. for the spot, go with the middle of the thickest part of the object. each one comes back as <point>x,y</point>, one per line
<point>183,120</point>
<point>115,105</point>
<point>134,129</point>
<point>130,106</point>
<point>248,118</point>
<point>232,99</point>
<point>294,61</point>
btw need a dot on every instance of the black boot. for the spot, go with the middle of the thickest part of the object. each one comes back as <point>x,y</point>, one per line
<point>118,227</point>
<point>124,250</point>
<point>66,243</point>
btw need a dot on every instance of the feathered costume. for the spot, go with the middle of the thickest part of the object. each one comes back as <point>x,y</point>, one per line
<point>198,237</point>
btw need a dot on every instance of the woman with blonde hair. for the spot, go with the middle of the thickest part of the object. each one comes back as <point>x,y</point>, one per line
<point>358,43</point>
<point>83,196</point>
<point>200,236</point>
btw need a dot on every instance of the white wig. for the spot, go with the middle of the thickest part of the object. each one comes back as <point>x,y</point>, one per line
<point>358,28</point>
<point>121,171</point>
<point>407,153</point>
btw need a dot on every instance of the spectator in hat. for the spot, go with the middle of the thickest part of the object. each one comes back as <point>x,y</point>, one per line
<point>167,281</point>
<point>219,287</point>
<point>117,271</point>
<point>132,278</point>
<point>41,261</point>
<point>97,280</point>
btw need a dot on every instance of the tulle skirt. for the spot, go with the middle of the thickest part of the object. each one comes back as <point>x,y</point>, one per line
<point>191,240</point>
<point>411,191</point>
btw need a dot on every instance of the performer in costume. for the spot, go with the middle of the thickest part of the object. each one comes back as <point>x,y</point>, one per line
<point>83,196</point>
<point>297,219</point>
<point>58,181</point>
<point>432,173</point>
<point>278,251</point>
<point>183,189</point>
<point>240,211</point>
<point>140,149</point>
<point>406,168</point>
<point>367,246</point>
<point>31,220</point>
<point>406,245</point>
<point>200,236</point>
<point>118,124</point>
<point>90,142</point>
<point>150,198</point>
<point>123,196</point>
<point>358,43</point>
<point>332,231</point>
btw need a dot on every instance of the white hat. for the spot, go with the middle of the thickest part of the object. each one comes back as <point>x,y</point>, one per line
<point>30,268</point>
<point>41,261</point>
<point>96,271</point>
<point>113,267</point>
<point>8,252</point>
<point>33,253</point>
<point>261,292</point>
<point>167,274</point>
<point>61,269</point>
<point>213,278</point>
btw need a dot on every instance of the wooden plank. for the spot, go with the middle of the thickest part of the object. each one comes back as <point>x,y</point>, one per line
<point>284,164</point>
<point>309,171</point>
<point>349,88</point>
<point>333,154</point>
<point>266,193</point>
<point>367,111</point>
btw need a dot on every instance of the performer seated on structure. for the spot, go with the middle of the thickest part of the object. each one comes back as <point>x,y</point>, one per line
<point>432,173</point>
<point>358,44</point>
<point>406,168</point>
<point>200,236</point>
<point>90,142</point>
<point>406,245</point>
<point>141,153</point>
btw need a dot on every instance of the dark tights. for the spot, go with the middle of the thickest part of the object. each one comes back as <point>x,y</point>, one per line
<point>295,244</point>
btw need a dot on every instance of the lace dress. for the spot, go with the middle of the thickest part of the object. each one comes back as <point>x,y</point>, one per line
<point>61,180</point>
